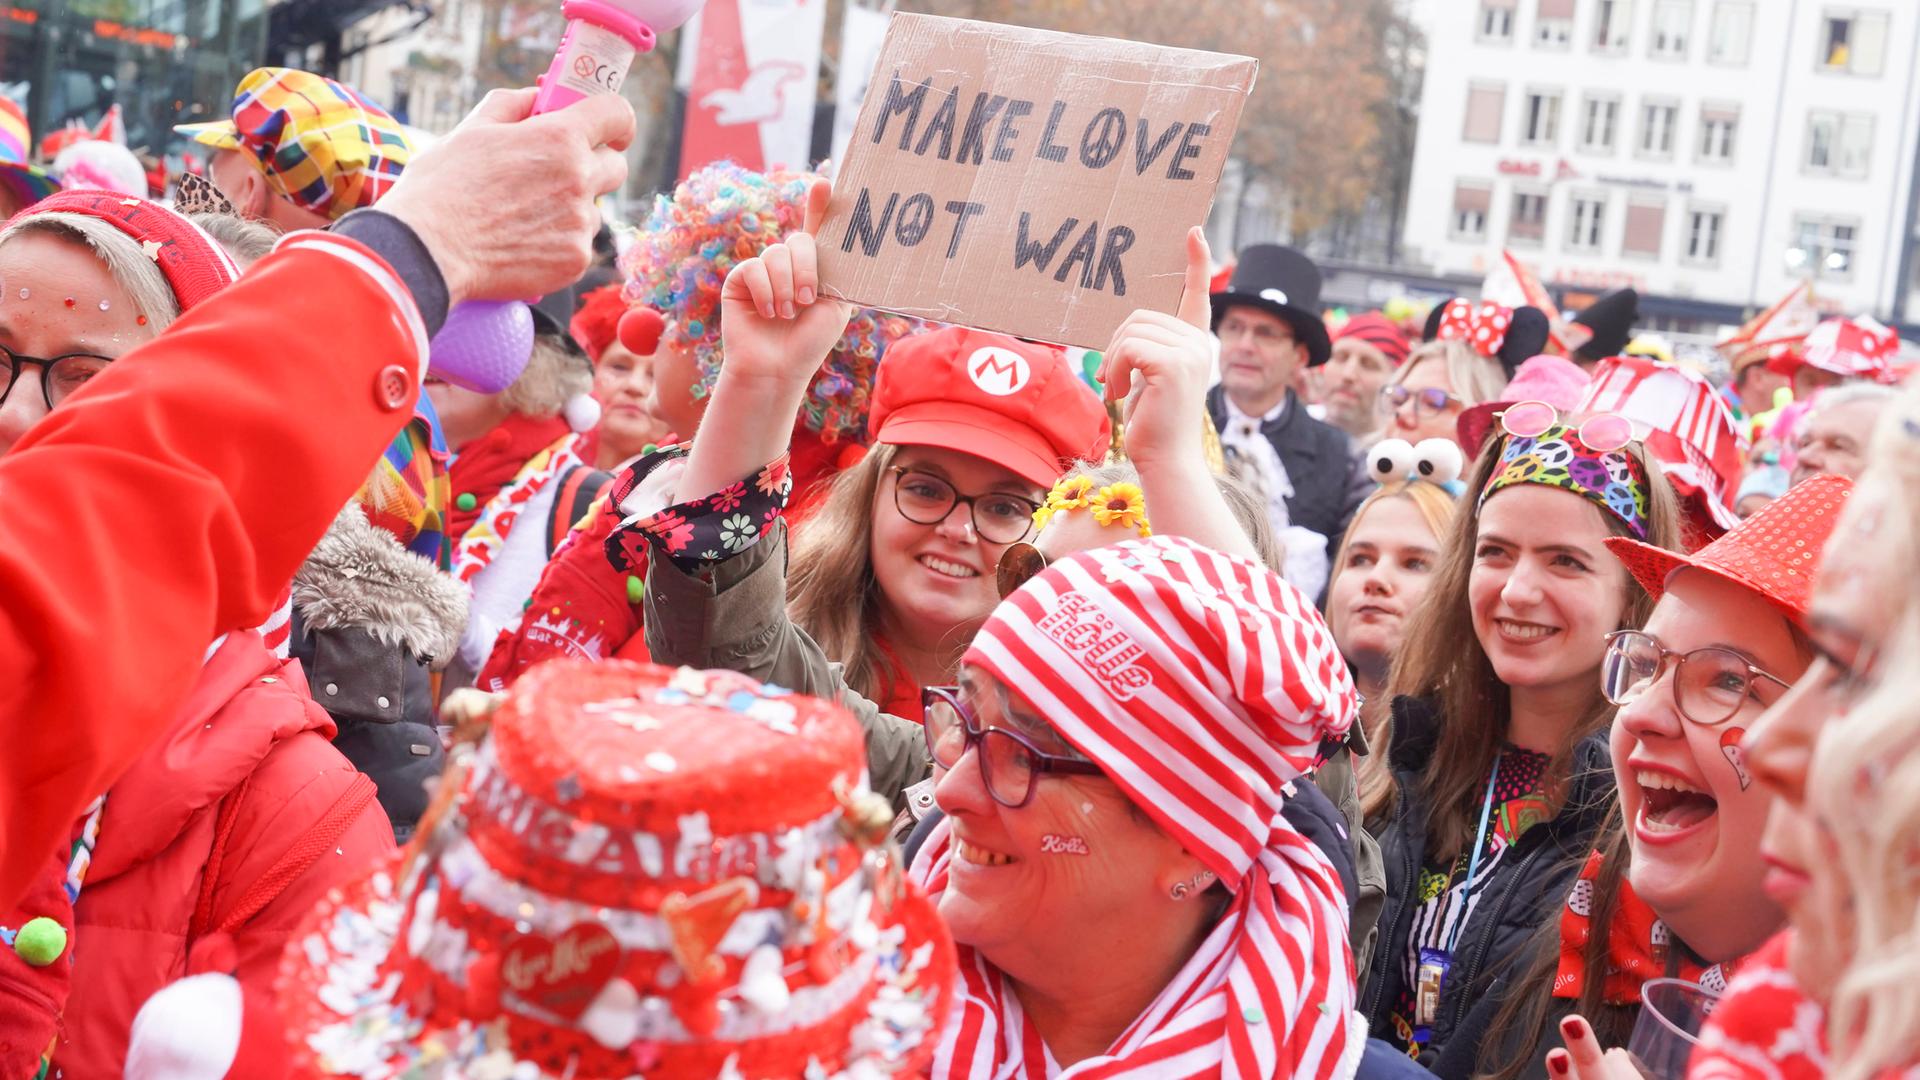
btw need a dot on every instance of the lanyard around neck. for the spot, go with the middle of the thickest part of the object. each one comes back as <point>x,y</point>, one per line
<point>1473,862</point>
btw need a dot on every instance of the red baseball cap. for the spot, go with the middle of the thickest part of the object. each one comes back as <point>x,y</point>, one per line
<point>1012,402</point>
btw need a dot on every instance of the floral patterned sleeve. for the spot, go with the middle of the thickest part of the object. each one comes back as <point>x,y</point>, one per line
<point>704,531</point>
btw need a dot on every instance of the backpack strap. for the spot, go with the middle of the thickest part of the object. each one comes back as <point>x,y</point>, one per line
<point>577,489</point>
<point>324,834</point>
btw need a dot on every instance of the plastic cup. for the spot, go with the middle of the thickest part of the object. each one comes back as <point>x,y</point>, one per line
<point>1672,1012</point>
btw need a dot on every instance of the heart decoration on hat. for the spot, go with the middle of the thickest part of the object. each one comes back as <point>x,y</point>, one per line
<point>562,975</point>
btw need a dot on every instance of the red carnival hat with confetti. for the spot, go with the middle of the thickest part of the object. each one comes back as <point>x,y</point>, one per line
<point>1685,424</point>
<point>648,871</point>
<point>1774,335</point>
<point>1857,348</point>
<point>194,265</point>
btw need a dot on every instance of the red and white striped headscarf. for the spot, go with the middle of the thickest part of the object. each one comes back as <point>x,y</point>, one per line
<point>1201,684</point>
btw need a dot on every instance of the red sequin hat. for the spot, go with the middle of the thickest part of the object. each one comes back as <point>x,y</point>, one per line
<point>1774,553</point>
<point>648,872</point>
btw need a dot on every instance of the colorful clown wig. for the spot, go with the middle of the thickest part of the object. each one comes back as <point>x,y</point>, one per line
<point>716,218</point>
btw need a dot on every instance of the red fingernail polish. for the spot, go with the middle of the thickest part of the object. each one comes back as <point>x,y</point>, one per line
<point>1571,1028</point>
<point>1557,1061</point>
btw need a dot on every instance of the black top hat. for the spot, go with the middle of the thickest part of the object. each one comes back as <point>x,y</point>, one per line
<point>1283,282</point>
<point>1527,334</point>
<point>1611,320</point>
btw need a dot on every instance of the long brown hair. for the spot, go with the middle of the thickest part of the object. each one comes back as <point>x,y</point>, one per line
<point>831,590</point>
<point>1441,658</point>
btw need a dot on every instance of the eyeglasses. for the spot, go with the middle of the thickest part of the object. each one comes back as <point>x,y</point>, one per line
<point>1432,400</point>
<point>1266,333</point>
<point>1009,762</point>
<point>59,376</point>
<point>1018,565</point>
<point>1710,685</point>
<point>1601,433</point>
<point>925,499</point>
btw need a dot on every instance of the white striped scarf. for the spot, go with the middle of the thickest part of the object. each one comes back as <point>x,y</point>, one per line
<point>1242,681</point>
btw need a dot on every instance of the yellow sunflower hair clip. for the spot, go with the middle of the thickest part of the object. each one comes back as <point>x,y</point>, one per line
<point>1121,504</point>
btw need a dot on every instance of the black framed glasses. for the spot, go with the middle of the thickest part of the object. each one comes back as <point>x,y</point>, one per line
<point>1019,564</point>
<point>1009,762</point>
<point>926,499</point>
<point>1710,685</point>
<point>60,376</point>
<point>1431,400</point>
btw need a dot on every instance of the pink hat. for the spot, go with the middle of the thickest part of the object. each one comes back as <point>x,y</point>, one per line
<point>1553,379</point>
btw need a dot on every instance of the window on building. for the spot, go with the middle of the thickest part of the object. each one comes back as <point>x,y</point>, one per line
<point>1612,25</point>
<point>1718,124</point>
<point>1471,200</point>
<point>1485,103</point>
<point>1598,123</point>
<point>1672,26</point>
<point>1646,221</point>
<point>1658,119</point>
<point>1703,234</point>
<point>1553,24</point>
<point>1853,41</point>
<point>1839,144</point>
<point>1527,226</point>
<point>1731,35</point>
<point>1541,124</point>
<point>1589,217</point>
<point>1823,247</point>
<point>1496,22</point>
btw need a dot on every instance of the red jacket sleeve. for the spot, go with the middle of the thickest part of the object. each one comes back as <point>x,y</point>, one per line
<point>172,500</point>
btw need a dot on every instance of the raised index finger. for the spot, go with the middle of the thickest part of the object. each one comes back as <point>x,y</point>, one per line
<point>1196,300</point>
<point>818,196</point>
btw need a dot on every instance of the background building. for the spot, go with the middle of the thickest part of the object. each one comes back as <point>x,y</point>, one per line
<point>1708,152</point>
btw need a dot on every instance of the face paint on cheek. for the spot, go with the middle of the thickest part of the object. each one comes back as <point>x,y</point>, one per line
<point>1063,845</point>
<point>1730,749</point>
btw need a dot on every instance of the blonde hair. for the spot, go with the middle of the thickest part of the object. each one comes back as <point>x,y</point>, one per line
<point>246,242</point>
<point>552,376</point>
<point>1436,507</point>
<point>1865,779</point>
<point>833,595</point>
<point>1440,657</point>
<point>138,276</point>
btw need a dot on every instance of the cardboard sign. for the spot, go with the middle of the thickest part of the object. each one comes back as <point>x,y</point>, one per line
<point>1035,183</point>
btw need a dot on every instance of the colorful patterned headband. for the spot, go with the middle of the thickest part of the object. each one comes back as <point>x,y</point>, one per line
<point>1614,480</point>
<point>1121,504</point>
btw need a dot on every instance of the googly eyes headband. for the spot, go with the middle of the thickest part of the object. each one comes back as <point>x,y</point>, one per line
<point>1437,461</point>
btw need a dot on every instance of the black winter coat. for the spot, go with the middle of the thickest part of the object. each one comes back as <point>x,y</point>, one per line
<point>1528,887</point>
<point>1329,481</point>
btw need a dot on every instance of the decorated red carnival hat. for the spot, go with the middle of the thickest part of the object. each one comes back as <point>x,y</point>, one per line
<point>649,872</point>
<point>1856,348</point>
<point>1773,554</point>
<point>1685,425</point>
<point>194,265</point>
<point>1378,331</point>
<point>1774,335</point>
<point>1010,401</point>
<point>596,324</point>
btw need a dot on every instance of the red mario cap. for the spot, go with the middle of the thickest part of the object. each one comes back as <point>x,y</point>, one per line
<point>996,397</point>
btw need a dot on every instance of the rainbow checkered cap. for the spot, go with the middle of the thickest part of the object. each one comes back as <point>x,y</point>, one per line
<point>28,182</point>
<point>319,142</point>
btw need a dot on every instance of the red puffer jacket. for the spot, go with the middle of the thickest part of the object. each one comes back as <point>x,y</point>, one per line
<point>215,842</point>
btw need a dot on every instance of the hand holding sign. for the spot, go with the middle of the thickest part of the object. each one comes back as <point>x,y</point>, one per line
<point>773,322</point>
<point>1160,365</point>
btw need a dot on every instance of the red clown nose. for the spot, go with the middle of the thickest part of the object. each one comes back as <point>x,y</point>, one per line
<point>640,330</point>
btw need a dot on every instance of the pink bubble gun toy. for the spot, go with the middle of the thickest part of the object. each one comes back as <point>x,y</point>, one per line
<point>485,346</point>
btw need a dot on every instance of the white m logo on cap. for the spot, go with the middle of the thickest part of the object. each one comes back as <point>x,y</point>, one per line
<point>998,371</point>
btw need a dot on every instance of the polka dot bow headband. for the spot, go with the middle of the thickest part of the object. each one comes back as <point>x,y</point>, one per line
<point>1482,326</point>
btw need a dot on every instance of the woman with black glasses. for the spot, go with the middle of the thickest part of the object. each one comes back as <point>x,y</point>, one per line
<point>1673,887</point>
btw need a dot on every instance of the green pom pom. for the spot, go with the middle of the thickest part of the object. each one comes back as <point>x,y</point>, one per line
<point>466,501</point>
<point>41,941</point>
<point>636,589</point>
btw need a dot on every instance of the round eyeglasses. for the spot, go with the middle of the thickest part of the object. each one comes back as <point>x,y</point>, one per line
<point>59,376</point>
<point>1430,401</point>
<point>926,499</point>
<point>1010,763</point>
<point>1601,433</point>
<point>1710,685</point>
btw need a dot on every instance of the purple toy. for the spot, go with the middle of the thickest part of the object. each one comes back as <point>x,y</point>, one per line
<point>484,345</point>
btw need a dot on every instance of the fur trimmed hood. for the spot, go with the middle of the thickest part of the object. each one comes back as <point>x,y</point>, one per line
<point>359,577</point>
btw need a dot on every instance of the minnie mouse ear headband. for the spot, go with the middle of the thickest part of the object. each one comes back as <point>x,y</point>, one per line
<point>1437,461</point>
<point>1508,335</point>
<point>1590,460</point>
<point>194,265</point>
